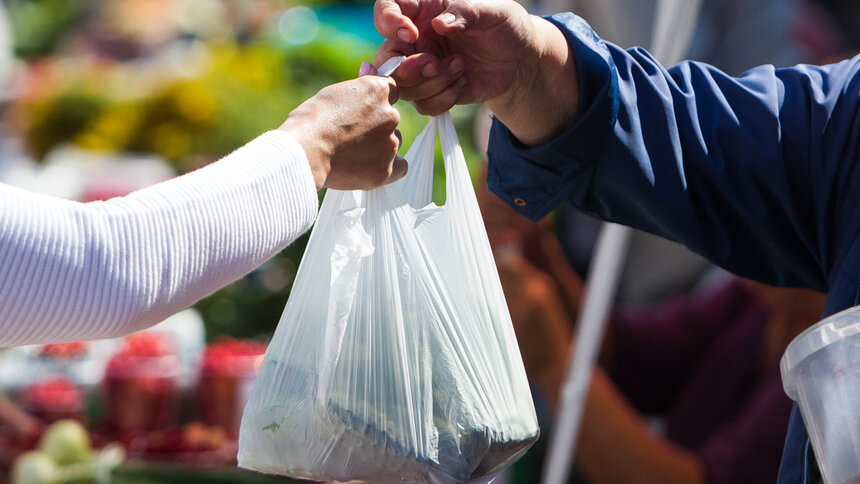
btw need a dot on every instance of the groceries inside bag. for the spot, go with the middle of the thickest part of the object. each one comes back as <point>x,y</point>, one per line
<point>395,359</point>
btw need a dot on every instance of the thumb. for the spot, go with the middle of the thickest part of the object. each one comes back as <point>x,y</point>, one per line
<point>459,17</point>
<point>393,21</point>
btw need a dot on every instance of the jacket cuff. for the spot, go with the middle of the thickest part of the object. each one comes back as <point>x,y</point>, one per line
<point>534,180</point>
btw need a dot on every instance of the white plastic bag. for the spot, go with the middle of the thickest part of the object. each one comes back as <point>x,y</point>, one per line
<point>395,359</point>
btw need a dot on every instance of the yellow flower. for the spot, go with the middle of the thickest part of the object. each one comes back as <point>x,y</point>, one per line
<point>169,139</point>
<point>113,130</point>
<point>196,103</point>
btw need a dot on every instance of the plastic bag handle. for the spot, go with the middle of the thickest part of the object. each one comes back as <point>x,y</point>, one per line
<point>391,65</point>
<point>458,182</point>
<point>417,186</point>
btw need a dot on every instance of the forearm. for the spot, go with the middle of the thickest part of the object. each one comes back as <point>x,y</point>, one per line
<point>552,259</point>
<point>543,100</point>
<point>82,271</point>
<point>616,445</point>
<point>741,170</point>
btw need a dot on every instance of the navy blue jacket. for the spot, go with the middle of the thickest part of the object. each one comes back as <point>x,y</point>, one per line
<point>758,173</point>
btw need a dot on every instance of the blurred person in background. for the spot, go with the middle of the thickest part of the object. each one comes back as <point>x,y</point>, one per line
<point>687,391</point>
<point>72,271</point>
<point>846,15</point>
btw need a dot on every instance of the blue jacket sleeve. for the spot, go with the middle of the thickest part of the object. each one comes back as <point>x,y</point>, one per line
<point>758,173</point>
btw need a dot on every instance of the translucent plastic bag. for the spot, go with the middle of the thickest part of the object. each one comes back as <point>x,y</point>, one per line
<point>395,359</point>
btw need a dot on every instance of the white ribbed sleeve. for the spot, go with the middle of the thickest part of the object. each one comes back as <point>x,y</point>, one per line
<point>73,271</point>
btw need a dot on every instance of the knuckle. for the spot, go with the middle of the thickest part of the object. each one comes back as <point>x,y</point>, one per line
<point>393,144</point>
<point>379,89</point>
<point>370,84</point>
<point>393,116</point>
<point>380,83</point>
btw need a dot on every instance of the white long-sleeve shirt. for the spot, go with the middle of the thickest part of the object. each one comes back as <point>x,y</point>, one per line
<point>74,271</point>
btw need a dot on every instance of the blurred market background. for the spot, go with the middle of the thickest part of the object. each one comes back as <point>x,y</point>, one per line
<point>106,97</point>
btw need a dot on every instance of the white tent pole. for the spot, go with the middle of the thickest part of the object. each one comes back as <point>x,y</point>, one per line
<point>602,282</point>
<point>672,33</point>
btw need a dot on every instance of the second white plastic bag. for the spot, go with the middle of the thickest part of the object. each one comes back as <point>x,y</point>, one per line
<point>395,359</point>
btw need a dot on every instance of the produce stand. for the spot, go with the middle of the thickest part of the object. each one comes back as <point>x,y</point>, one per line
<point>144,414</point>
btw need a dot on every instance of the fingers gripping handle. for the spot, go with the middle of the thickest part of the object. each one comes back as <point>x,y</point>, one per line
<point>418,181</point>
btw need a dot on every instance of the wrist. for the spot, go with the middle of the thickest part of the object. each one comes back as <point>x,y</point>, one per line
<point>515,99</point>
<point>543,100</point>
<point>315,152</point>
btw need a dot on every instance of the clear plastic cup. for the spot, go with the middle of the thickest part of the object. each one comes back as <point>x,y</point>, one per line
<point>821,372</point>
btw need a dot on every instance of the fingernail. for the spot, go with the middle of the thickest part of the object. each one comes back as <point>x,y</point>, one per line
<point>457,66</point>
<point>447,18</point>
<point>404,35</point>
<point>364,69</point>
<point>429,70</point>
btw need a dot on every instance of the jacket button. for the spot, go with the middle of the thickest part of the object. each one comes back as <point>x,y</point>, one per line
<point>520,202</point>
